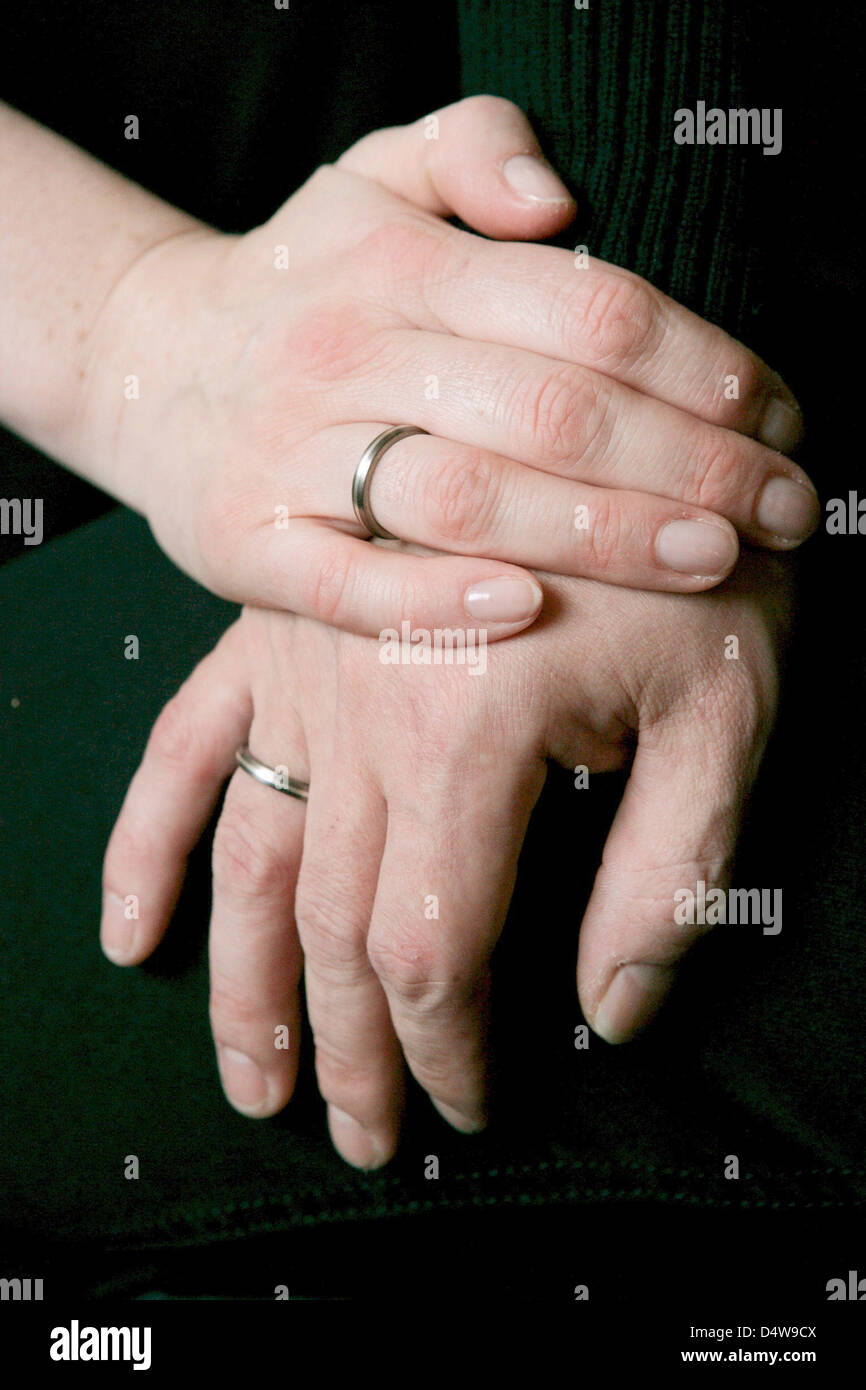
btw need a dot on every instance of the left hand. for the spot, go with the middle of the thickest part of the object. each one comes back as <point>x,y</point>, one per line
<point>392,884</point>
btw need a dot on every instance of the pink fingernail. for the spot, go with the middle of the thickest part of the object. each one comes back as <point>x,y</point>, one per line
<point>356,1144</point>
<point>118,932</point>
<point>633,998</point>
<point>787,509</point>
<point>696,547</point>
<point>243,1080</point>
<point>781,426</point>
<point>532,178</point>
<point>503,600</point>
<point>467,1124</point>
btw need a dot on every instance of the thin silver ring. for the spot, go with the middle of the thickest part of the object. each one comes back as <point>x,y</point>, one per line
<point>364,476</point>
<point>269,775</point>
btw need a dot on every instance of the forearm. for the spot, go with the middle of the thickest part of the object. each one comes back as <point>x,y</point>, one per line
<point>70,229</point>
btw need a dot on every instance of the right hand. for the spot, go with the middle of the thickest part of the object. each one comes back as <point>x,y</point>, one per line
<point>544,388</point>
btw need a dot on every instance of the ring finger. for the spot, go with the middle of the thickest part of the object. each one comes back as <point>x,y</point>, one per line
<point>255,955</point>
<point>462,499</point>
<point>572,421</point>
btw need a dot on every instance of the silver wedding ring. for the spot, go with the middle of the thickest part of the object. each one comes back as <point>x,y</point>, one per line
<point>271,776</point>
<point>364,476</point>
<point>277,777</point>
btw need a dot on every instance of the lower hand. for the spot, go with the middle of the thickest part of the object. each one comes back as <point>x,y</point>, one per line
<point>422,782</point>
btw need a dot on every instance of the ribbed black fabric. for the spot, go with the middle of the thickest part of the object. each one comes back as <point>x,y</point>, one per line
<point>602,86</point>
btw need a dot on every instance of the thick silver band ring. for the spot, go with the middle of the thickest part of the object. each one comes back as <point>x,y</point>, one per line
<point>364,476</point>
<point>270,776</point>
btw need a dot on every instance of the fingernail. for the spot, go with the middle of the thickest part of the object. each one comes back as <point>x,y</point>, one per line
<point>357,1145</point>
<point>467,1124</point>
<point>696,547</point>
<point>118,931</point>
<point>781,426</point>
<point>243,1080</point>
<point>503,600</point>
<point>633,998</point>
<point>532,178</point>
<point>788,509</point>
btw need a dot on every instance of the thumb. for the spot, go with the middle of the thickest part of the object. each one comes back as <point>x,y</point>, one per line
<point>676,828</point>
<point>477,159</point>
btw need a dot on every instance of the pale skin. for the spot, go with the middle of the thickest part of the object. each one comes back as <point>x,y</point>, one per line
<point>187,374</point>
<point>431,794</point>
<point>548,390</point>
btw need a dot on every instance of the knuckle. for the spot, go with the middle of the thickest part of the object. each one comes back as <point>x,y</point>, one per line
<point>175,734</point>
<point>345,1082</point>
<point>325,589</point>
<point>736,708</point>
<point>617,322</point>
<point>731,359</point>
<point>751,374</point>
<point>717,476</point>
<point>331,936</point>
<point>231,1007</point>
<point>400,263</point>
<point>751,709</point>
<point>410,965</point>
<point>243,860</point>
<point>402,252</point>
<point>558,413</point>
<point>460,498</point>
<point>332,342</point>
<point>607,536</point>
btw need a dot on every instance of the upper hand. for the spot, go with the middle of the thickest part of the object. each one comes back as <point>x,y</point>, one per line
<point>545,388</point>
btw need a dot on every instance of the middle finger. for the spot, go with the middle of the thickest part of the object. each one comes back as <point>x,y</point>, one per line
<point>574,422</point>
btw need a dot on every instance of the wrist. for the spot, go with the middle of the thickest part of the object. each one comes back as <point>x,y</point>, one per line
<point>140,355</point>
